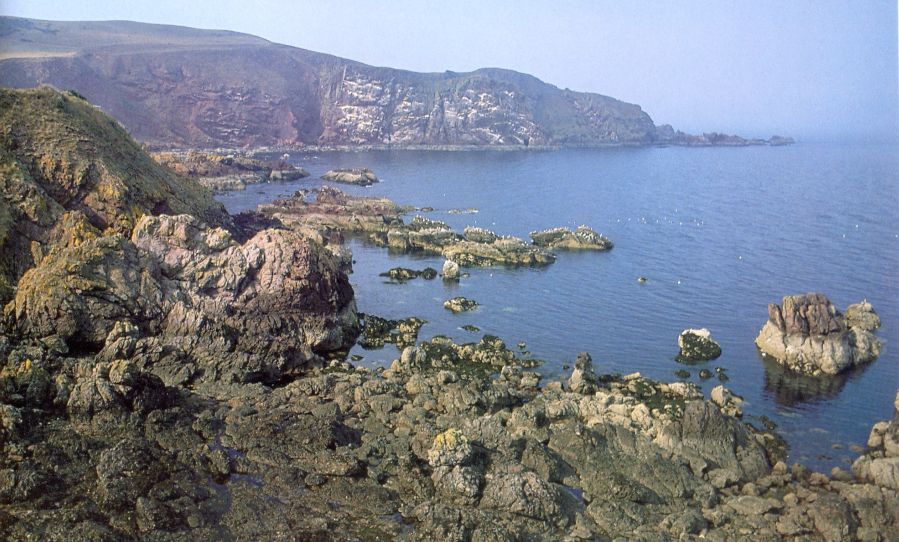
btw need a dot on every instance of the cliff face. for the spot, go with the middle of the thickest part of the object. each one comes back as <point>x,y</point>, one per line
<point>179,87</point>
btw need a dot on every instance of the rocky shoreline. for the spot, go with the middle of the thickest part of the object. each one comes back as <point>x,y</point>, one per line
<point>179,375</point>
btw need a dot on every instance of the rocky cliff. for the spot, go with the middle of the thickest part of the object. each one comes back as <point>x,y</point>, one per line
<point>181,87</point>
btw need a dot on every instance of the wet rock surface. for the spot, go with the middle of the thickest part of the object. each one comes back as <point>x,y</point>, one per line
<point>808,335</point>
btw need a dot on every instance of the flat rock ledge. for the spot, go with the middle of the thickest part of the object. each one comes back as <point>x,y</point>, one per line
<point>359,177</point>
<point>808,335</point>
<point>583,238</point>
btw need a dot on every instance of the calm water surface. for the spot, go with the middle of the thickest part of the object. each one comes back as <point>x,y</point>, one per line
<point>719,232</point>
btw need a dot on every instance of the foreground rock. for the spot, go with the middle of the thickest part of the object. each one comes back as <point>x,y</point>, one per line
<point>431,448</point>
<point>808,335</point>
<point>583,238</point>
<point>697,345</point>
<point>359,177</point>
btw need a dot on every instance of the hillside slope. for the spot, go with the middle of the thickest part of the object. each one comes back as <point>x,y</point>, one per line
<point>67,167</point>
<point>181,87</point>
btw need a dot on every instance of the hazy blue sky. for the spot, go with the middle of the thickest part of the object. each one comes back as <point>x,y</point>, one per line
<point>814,69</point>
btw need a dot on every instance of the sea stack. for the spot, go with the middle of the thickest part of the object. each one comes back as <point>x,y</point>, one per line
<point>807,334</point>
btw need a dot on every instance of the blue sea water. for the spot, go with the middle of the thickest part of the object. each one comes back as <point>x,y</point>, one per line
<point>719,233</point>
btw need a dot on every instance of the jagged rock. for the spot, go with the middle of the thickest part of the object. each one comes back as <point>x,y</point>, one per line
<point>862,316</point>
<point>360,177</point>
<point>729,403</point>
<point>697,345</point>
<point>583,379</point>
<point>583,238</point>
<point>808,335</point>
<point>525,494</point>
<point>460,304</point>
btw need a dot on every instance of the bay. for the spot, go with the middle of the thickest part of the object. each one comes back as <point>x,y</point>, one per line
<point>718,232</point>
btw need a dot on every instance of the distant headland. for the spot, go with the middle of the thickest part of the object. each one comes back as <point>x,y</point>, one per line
<point>178,87</point>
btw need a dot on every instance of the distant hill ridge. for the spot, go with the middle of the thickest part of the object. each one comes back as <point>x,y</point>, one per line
<point>178,87</point>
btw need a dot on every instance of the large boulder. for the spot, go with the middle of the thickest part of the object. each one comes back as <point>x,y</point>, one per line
<point>808,335</point>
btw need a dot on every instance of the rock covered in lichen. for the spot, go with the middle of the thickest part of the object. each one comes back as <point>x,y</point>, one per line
<point>697,345</point>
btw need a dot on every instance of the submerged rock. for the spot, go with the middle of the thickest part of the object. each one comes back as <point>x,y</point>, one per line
<point>360,177</point>
<point>697,345</point>
<point>460,304</point>
<point>808,335</point>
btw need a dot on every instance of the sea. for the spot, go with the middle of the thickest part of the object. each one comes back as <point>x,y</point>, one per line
<point>718,232</point>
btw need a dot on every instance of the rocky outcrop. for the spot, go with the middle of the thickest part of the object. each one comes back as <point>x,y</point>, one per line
<point>450,270</point>
<point>807,334</point>
<point>583,238</point>
<point>113,276</point>
<point>697,345</point>
<point>69,170</point>
<point>460,304</point>
<point>235,312</point>
<point>881,464</point>
<point>359,177</point>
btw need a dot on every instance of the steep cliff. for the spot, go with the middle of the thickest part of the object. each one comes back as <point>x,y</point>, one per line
<point>180,87</point>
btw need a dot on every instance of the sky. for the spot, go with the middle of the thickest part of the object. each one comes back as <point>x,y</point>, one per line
<point>822,69</point>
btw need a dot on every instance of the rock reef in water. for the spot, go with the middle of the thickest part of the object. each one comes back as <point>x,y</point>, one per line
<point>697,345</point>
<point>583,238</point>
<point>359,177</point>
<point>222,173</point>
<point>404,274</point>
<point>808,335</point>
<point>381,221</point>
